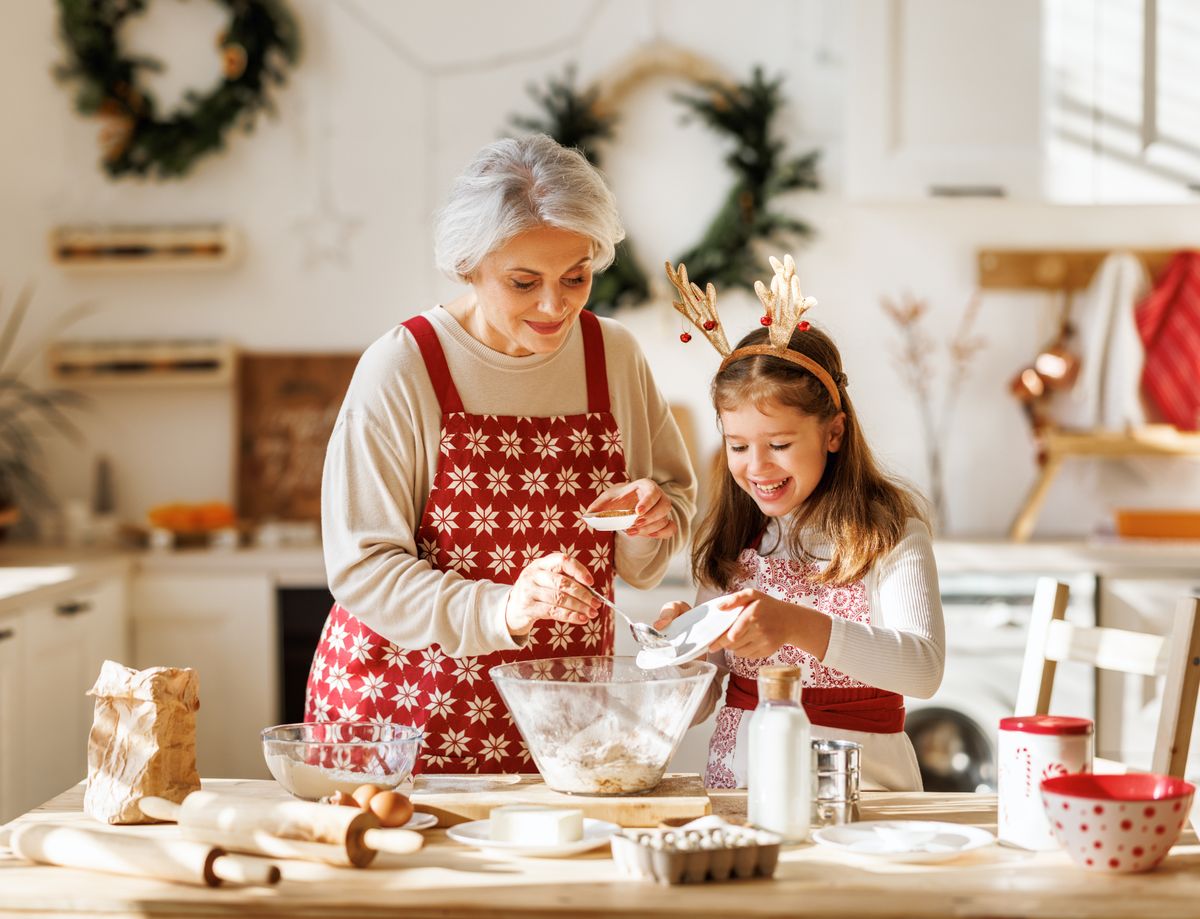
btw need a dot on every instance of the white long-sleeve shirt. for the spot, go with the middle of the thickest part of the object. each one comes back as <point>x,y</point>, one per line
<point>382,459</point>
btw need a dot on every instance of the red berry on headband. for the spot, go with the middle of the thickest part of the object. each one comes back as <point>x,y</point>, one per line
<point>709,325</point>
<point>685,337</point>
<point>803,326</point>
<point>765,320</point>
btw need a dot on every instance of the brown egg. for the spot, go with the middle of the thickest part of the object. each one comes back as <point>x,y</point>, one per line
<point>364,793</point>
<point>340,797</point>
<point>392,808</point>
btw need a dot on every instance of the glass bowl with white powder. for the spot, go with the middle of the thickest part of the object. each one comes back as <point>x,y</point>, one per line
<point>602,725</point>
<point>314,760</point>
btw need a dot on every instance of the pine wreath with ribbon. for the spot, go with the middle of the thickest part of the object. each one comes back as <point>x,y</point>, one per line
<point>727,253</point>
<point>256,46</point>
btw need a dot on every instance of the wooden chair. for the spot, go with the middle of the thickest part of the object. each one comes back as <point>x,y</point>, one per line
<point>1177,655</point>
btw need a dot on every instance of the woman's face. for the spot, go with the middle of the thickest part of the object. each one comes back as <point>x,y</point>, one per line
<point>530,291</point>
<point>777,453</point>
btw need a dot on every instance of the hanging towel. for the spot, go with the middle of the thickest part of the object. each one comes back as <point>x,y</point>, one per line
<point>1169,323</point>
<point>1106,394</point>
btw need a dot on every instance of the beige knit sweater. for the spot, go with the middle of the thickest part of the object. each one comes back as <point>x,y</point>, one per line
<point>383,456</point>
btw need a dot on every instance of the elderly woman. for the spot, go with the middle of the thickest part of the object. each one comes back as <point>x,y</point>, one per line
<point>471,438</point>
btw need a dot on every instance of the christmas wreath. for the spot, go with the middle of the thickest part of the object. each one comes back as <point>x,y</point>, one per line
<point>743,113</point>
<point>259,41</point>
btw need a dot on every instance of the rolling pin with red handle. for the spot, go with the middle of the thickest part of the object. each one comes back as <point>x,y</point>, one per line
<point>179,860</point>
<point>283,829</point>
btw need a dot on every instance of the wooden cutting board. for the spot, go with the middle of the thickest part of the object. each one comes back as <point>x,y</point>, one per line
<point>458,798</point>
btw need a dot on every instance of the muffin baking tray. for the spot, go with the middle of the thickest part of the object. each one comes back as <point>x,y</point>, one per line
<point>708,849</point>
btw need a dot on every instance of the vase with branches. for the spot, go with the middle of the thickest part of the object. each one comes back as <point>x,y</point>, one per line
<point>914,354</point>
<point>27,413</point>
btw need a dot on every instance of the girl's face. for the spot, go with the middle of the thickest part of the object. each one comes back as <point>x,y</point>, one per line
<point>530,291</point>
<point>777,453</point>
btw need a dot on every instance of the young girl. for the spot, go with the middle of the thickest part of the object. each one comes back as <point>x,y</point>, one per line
<point>828,559</point>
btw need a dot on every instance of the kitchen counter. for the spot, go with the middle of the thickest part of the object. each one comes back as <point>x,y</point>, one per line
<point>448,879</point>
<point>1108,557</point>
<point>29,574</point>
<point>289,565</point>
<point>33,575</point>
<point>27,569</point>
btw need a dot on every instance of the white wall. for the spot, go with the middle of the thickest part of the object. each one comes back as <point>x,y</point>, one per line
<point>389,102</point>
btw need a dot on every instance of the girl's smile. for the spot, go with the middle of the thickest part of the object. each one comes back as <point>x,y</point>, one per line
<point>770,491</point>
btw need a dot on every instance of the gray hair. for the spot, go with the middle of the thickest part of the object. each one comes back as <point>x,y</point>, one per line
<point>516,185</point>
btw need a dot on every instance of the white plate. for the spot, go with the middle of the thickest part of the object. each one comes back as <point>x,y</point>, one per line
<point>420,821</point>
<point>608,524</point>
<point>477,833</point>
<point>904,840</point>
<point>690,635</point>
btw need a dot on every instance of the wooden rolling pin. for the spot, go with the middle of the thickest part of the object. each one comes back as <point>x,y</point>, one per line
<point>179,860</point>
<point>329,833</point>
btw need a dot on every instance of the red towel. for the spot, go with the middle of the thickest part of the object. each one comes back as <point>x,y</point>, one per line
<point>1169,323</point>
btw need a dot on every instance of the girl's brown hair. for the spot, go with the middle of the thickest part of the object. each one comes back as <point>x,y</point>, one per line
<point>859,508</point>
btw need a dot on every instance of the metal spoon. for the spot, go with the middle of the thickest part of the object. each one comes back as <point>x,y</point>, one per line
<point>645,635</point>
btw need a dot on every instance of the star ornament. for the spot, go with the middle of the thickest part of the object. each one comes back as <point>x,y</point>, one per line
<point>326,233</point>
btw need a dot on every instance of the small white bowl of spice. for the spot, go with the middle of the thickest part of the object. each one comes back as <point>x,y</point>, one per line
<point>611,520</point>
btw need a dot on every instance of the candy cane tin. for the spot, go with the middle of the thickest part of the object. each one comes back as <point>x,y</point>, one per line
<point>1033,748</point>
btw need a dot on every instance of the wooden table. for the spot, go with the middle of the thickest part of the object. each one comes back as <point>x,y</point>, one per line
<point>811,881</point>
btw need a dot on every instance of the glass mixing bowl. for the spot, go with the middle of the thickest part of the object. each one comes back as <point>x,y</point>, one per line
<point>316,759</point>
<point>602,725</point>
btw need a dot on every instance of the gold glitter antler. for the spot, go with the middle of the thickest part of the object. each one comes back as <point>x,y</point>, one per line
<point>784,304</point>
<point>699,306</point>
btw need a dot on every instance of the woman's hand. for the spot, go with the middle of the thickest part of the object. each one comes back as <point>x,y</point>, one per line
<point>669,613</point>
<point>766,624</point>
<point>550,587</point>
<point>645,497</point>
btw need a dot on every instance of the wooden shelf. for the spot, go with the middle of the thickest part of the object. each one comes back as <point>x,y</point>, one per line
<point>1058,446</point>
<point>1054,269</point>
<point>145,364</point>
<point>124,247</point>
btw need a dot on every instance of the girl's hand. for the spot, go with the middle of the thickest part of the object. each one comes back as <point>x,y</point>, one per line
<point>762,628</point>
<point>550,587</point>
<point>645,497</point>
<point>669,613</point>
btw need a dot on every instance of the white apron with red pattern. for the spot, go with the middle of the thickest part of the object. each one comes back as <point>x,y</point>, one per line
<point>845,707</point>
<point>508,490</point>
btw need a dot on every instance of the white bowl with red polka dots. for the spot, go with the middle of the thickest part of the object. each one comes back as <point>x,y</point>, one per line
<point>1117,823</point>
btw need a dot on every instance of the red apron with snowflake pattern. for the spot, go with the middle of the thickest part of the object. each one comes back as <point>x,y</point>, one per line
<point>830,698</point>
<point>508,490</point>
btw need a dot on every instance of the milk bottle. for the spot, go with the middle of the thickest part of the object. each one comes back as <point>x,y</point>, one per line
<point>779,778</point>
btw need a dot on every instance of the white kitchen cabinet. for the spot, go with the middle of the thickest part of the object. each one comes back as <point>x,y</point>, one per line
<point>1121,115</point>
<point>224,628</point>
<point>51,660</point>
<point>944,99</point>
<point>1067,101</point>
<point>12,673</point>
<point>1129,704</point>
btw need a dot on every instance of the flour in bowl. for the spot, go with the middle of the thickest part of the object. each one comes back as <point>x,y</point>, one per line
<point>607,758</point>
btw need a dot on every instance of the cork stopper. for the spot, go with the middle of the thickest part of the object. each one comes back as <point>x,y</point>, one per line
<point>779,683</point>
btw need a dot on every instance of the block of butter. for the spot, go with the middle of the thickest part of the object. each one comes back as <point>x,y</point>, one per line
<point>536,824</point>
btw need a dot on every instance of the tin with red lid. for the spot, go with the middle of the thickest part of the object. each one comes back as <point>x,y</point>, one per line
<point>1033,748</point>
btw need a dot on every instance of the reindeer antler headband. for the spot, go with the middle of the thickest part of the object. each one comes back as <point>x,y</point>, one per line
<point>785,307</point>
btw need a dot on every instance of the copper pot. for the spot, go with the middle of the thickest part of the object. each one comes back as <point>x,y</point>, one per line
<point>1027,385</point>
<point>1057,366</point>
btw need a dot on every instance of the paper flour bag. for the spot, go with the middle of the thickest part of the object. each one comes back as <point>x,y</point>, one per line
<point>143,740</point>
